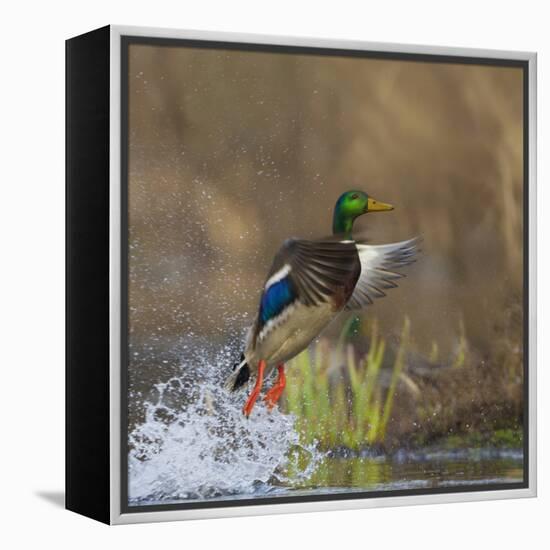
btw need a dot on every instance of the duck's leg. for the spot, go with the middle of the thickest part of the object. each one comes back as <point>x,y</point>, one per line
<point>273,395</point>
<point>249,405</point>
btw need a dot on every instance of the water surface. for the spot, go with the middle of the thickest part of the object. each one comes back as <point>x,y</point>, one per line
<point>193,443</point>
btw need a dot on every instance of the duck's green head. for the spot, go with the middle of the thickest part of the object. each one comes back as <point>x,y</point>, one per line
<point>350,206</point>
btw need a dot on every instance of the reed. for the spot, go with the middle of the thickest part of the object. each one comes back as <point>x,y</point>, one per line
<point>339,400</point>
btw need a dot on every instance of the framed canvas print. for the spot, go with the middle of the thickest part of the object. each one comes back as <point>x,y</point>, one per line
<point>300,274</point>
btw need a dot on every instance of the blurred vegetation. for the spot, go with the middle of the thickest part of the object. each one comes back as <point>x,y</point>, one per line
<point>232,152</point>
<point>352,406</point>
<point>333,414</point>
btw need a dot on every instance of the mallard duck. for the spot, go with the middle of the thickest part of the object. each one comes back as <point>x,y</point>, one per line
<point>310,282</point>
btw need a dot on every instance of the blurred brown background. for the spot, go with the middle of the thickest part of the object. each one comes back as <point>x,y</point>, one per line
<point>232,152</point>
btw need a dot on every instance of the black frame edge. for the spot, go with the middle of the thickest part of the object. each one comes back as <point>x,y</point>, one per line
<point>87,450</point>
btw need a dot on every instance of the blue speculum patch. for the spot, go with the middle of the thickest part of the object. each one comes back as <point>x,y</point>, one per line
<point>275,299</point>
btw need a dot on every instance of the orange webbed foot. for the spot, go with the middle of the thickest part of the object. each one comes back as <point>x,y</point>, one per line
<point>274,394</point>
<point>250,402</point>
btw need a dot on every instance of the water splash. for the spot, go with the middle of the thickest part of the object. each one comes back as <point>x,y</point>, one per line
<point>195,443</point>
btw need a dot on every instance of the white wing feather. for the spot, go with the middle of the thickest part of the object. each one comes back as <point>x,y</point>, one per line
<point>378,263</point>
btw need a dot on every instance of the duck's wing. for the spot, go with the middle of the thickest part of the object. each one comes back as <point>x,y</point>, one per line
<point>319,269</point>
<point>378,265</point>
<point>311,272</point>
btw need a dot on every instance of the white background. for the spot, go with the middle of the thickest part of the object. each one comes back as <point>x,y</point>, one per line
<point>32,272</point>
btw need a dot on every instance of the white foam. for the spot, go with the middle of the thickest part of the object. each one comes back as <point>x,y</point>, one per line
<point>207,448</point>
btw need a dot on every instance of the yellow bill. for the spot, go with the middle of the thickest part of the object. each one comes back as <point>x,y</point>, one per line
<point>377,206</point>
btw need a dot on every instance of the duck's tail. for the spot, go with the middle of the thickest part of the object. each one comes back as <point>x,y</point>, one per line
<point>240,375</point>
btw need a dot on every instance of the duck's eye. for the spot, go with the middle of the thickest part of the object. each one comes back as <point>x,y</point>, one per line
<point>354,196</point>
